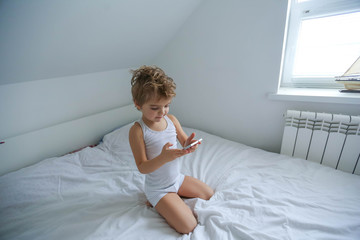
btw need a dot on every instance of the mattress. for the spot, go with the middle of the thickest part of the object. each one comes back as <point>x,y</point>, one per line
<point>97,193</point>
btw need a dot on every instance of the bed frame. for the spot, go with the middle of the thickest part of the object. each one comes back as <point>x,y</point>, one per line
<point>325,138</point>
<point>26,149</point>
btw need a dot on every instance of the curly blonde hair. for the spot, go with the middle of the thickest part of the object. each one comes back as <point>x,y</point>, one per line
<point>150,82</point>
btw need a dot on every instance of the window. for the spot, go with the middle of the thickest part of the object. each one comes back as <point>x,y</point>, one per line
<point>322,41</point>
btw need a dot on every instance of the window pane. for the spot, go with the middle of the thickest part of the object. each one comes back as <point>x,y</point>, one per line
<point>327,46</point>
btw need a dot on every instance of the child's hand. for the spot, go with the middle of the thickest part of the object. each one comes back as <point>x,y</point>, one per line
<point>172,154</point>
<point>189,141</point>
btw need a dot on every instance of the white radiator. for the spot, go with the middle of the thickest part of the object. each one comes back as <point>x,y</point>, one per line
<point>329,139</point>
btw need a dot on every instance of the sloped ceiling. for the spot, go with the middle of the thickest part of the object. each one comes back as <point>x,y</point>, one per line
<point>42,39</point>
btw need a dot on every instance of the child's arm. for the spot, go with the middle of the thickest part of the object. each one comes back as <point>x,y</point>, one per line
<point>181,135</point>
<point>137,144</point>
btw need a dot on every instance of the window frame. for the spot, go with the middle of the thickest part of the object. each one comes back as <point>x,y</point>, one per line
<point>305,10</point>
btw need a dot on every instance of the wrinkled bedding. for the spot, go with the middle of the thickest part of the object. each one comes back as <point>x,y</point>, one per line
<point>97,193</point>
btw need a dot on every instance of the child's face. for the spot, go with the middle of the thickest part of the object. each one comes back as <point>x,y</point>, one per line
<point>155,109</point>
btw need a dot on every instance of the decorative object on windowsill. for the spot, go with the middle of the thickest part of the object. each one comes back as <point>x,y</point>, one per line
<point>351,78</point>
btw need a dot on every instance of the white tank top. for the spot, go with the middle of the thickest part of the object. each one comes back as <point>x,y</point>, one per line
<point>167,174</point>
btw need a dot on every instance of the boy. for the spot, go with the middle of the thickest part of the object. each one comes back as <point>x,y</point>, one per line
<point>154,146</point>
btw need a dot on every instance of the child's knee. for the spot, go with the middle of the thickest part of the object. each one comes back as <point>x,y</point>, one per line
<point>210,193</point>
<point>187,227</point>
<point>207,194</point>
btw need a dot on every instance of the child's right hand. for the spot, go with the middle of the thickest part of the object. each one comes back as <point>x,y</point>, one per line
<point>171,154</point>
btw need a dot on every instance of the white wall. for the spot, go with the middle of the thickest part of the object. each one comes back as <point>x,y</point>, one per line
<point>62,60</point>
<point>34,105</point>
<point>42,39</point>
<point>225,60</point>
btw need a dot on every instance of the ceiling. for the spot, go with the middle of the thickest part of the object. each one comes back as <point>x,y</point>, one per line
<point>43,39</point>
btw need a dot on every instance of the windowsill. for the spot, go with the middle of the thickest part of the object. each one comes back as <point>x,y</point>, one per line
<point>315,95</point>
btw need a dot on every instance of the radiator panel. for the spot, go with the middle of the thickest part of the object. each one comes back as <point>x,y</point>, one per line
<point>316,150</point>
<point>304,135</point>
<point>324,138</point>
<point>352,142</point>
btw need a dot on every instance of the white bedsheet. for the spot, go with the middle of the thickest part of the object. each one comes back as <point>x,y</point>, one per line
<point>97,193</point>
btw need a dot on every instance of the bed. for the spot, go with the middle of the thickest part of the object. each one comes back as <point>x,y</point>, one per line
<point>97,193</point>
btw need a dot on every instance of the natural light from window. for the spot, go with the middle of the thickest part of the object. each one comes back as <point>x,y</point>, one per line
<point>321,42</point>
<point>329,51</point>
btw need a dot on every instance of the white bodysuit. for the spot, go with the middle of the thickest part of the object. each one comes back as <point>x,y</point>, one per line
<point>167,178</point>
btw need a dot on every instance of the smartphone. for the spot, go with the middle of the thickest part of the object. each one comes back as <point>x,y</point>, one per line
<point>193,144</point>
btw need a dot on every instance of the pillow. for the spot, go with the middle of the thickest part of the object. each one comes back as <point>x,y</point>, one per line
<point>117,141</point>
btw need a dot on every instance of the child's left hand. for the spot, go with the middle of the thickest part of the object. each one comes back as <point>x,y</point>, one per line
<point>189,141</point>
